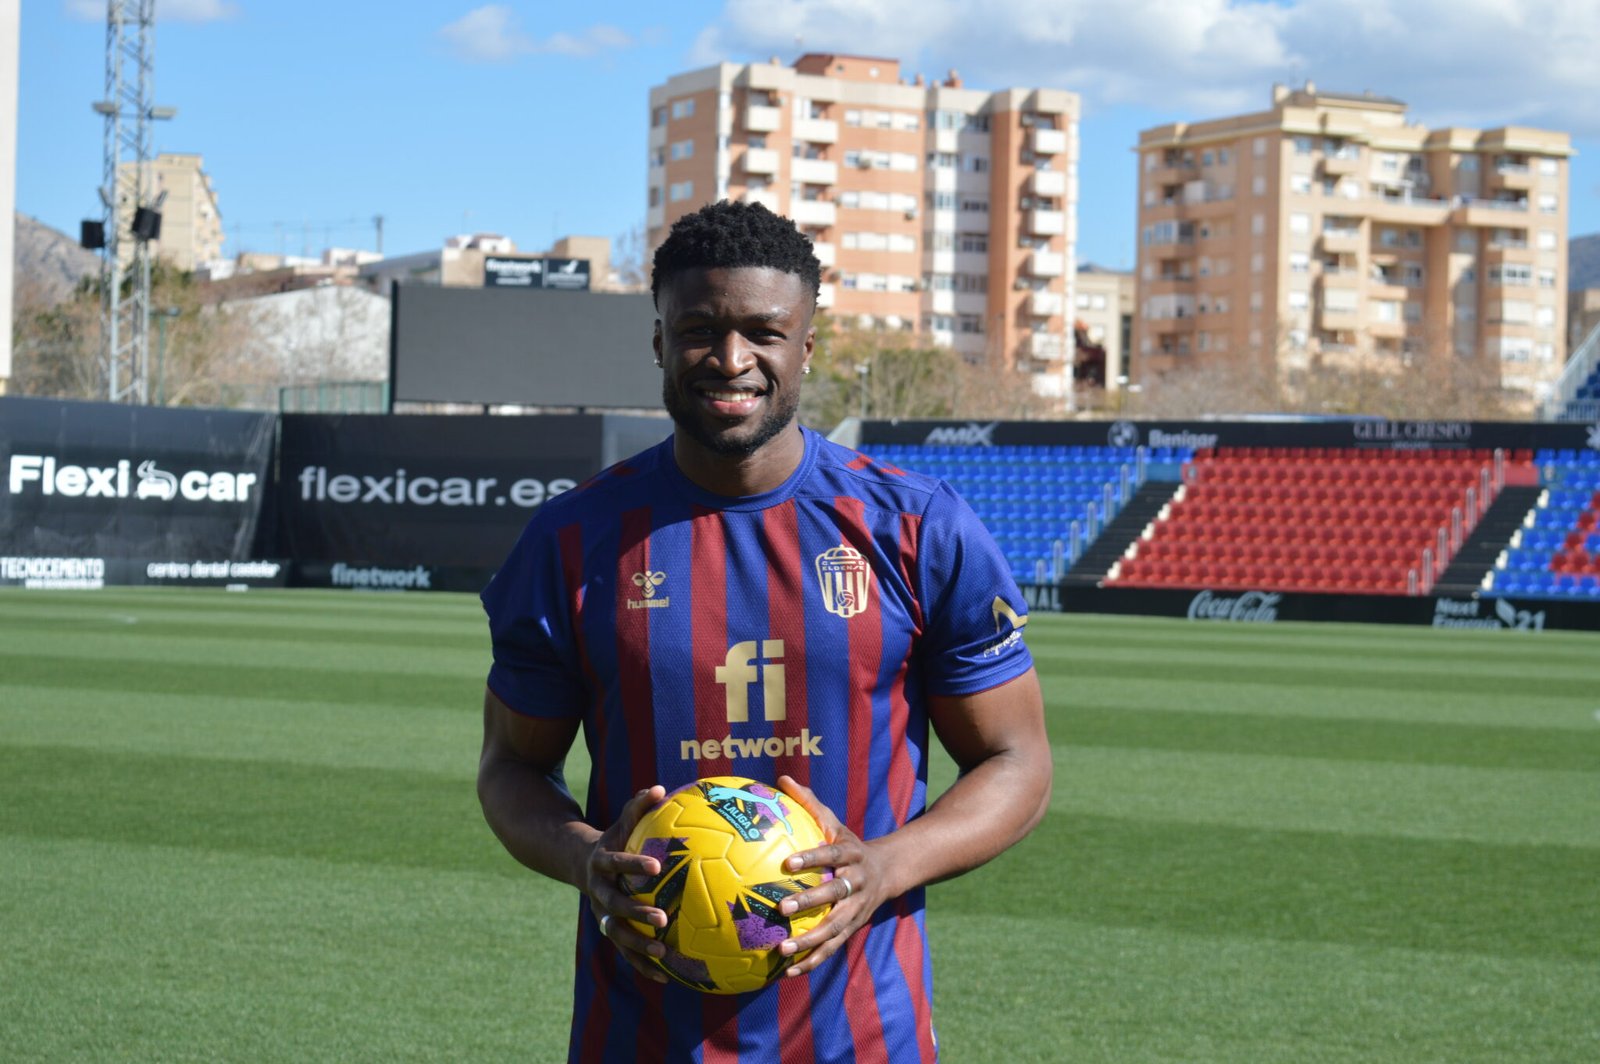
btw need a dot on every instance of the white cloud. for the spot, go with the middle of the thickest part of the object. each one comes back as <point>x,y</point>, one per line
<point>491,34</point>
<point>166,10</point>
<point>1472,62</point>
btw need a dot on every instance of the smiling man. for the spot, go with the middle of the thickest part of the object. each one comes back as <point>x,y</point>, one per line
<point>747,598</point>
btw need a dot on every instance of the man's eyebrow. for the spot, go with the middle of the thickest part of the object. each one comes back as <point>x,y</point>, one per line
<point>777,314</point>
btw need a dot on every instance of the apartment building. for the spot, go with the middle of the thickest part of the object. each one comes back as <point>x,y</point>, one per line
<point>191,224</point>
<point>934,208</point>
<point>1329,227</point>
<point>1105,303</point>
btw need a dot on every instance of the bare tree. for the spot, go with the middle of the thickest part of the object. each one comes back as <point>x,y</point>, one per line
<point>630,259</point>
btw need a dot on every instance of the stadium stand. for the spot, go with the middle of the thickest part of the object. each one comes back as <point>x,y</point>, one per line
<point>1044,503</point>
<point>1316,519</point>
<point>1576,395</point>
<point>1556,554</point>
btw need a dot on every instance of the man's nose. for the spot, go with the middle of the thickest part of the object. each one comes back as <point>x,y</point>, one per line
<point>732,353</point>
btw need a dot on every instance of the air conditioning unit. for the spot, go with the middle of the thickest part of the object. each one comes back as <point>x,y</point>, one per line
<point>911,215</point>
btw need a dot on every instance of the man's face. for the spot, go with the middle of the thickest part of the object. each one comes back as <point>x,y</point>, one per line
<point>733,344</point>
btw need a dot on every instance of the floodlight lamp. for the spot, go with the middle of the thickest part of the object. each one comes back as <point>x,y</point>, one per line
<point>162,112</point>
<point>104,107</point>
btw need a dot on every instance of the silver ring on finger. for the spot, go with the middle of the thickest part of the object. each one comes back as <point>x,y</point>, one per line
<point>605,924</point>
<point>848,888</point>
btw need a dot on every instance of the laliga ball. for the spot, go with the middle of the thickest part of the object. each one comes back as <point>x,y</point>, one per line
<point>722,842</point>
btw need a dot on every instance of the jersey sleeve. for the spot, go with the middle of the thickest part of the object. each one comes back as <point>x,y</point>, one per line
<point>534,670</point>
<point>974,613</point>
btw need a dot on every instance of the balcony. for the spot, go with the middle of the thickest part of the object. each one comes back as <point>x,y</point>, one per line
<point>1047,264</point>
<point>759,119</point>
<point>942,301</point>
<point>1047,141</point>
<point>1338,319</point>
<point>1048,183</point>
<point>816,130</point>
<point>825,254</point>
<point>764,196</point>
<point>1338,164</point>
<point>1046,223</point>
<point>1047,346</point>
<point>825,296</point>
<point>814,171</point>
<point>760,161</point>
<point>1044,304</point>
<point>1341,241</point>
<point>813,212</point>
<point>1518,176</point>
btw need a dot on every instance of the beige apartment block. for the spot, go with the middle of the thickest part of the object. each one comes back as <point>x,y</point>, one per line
<point>191,224</point>
<point>937,209</point>
<point>1105,303</point>
<point>1331,228</point>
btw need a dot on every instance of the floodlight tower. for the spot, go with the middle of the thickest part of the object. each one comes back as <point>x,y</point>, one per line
<point>129,214</point>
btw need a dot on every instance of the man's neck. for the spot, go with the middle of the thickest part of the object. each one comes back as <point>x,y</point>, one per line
<point>736,476</point>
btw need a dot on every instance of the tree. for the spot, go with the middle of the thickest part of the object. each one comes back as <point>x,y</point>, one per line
<point>205,360</point>
<point>630,262</point>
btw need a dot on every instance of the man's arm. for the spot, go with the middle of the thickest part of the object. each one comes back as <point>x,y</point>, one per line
<point>527,804</point>
<point>997,738</point>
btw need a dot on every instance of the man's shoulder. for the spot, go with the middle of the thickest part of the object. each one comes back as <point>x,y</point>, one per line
<point>620,481</point>
<point>876,477</point>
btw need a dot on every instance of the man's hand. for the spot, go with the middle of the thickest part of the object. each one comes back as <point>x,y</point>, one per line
<point>856,890</point>
<point>611,905</point>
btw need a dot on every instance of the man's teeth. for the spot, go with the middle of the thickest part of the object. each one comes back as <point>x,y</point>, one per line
<point>730,397</point>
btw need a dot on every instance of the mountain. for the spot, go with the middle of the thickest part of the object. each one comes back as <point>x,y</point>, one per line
<point>50,259</point>
<point>1583,262</point>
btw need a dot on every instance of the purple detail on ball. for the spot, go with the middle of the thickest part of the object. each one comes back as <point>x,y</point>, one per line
<point>756,932</point>
<point>691,969</point>
<point>659,848</point>
<point>761,790</point>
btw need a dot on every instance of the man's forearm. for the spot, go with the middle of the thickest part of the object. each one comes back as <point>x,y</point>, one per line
<point>536,819</point>
<point>986,811</point>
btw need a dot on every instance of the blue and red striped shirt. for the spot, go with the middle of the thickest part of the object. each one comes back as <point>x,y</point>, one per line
<point>799,631</point>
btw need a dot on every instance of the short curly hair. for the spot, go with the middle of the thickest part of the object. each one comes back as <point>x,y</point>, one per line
<point>730,235</point>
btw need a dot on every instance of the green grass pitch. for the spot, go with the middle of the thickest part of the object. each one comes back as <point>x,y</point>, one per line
<point>242,827</point>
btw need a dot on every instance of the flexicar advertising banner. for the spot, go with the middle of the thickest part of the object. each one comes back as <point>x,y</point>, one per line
<point>420,502</point>
<point>103,493</point>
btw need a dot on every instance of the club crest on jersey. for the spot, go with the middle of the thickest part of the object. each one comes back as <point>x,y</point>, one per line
<point>846,580</point>
<point>647,582</point>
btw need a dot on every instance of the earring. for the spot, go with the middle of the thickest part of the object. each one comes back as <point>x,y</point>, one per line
<point>806,370</point>
<point>658,362</point>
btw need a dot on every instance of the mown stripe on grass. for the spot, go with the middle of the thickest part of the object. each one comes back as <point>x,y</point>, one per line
<point>1411,743</point>
<point>1452,677</point>
<point>1513,806</point>
<point>354,815</point>
<point>226,675</point>
<point>89,635</point>
<point>1451,896</point>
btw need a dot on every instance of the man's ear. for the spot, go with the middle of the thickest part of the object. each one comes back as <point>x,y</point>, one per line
<point>655,341</point>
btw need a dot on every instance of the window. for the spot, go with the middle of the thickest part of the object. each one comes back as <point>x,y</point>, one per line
<point>1299,300</point>
<point>1548,204</point>
<point>971,204</point>
<point>1258,185</point>
<point>1300,184</point>
<point>682,108</point>
<point>658,116</point>
<point>1547,278</point>
<point>972,324</point>
<point>1258,224</point>
<point>1511,273</point>
<point>1257,261</point>
<point>1299,262</point>
<point>974,164</point>
<point>944,160</point>
<point>1255,302</point>
<point>1385,310</point>
<point>680,191</point>
<point>1547,240</point>
<point>1300,223</point>
<point>682,149</point>
<point>1303,146</point>
<point>1545,317</point>
<point>1466,240</point>
<point>1549,167</point>
<point>1411,274</point>
<point>1544,352</point>
<point>1469,164</point>
<point>972,282</point>
<point>1259,147</point>
<point>972,242</point>
<point>1412,310</point>
<point>1224,157</point>
<point>655,195</point>
<point>657,158</point>
<point>1205,158</point>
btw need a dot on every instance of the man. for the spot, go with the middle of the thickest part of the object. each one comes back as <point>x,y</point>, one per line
<point>747,579</point>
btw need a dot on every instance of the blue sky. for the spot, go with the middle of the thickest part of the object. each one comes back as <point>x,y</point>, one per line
<point>529,119</point>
